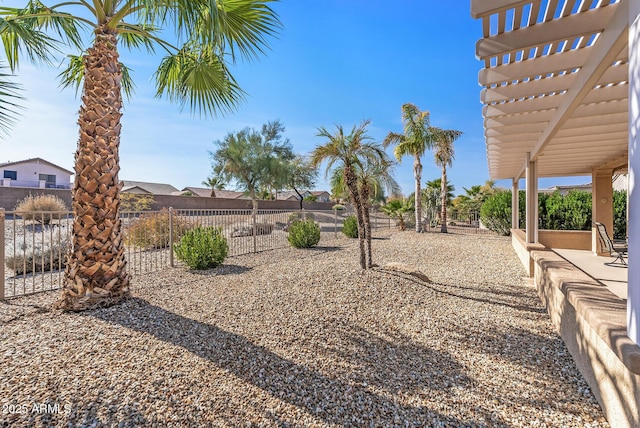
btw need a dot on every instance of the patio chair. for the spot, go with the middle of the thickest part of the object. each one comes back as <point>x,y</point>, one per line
<point>615,250</point>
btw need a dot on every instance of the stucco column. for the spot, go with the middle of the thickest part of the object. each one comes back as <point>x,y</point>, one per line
<point>515,207</point>
<point>633,300</point>
<point>601,205</point>
<point>532,200</point>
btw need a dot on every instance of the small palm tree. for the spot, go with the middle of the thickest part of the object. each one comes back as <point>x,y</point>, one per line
<point>444,155</point>
<point>397,208</point>
<point>209,33</point>
<point>349,151</point>
<point>414,142</point>
<point>214,182</point>
<point>372,177</point>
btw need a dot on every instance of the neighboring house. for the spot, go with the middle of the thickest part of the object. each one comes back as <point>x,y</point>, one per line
<point>322,195</point>
<point>205,192</point>
<point>36,173</point>
<point>567,188</point>
<point>145,188</point>
<point>621,182</point>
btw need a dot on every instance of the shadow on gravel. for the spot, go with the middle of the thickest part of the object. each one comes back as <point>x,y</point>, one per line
<point>336,399</point>
<point>446,289</point>
<point>225,269</point>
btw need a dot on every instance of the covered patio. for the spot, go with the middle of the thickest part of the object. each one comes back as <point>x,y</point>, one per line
<point>561,95</point>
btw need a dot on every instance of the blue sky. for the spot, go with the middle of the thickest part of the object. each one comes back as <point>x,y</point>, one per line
<point>334,62</point>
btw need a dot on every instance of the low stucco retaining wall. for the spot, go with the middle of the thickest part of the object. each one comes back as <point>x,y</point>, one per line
<point>566,239</point>
<point>592,323</point>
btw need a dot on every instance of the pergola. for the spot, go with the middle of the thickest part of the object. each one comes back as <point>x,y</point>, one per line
<point>561,95</point>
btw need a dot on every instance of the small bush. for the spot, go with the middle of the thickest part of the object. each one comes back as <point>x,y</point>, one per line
<point>304,234</point>
<point>202,248</point>
<point>151,231</point>
<point>495,213</point>
<point>40,208</point>
<point>338,207</point>
<point>44,257</point>
<point>350,227</point>
<point>247,230</point>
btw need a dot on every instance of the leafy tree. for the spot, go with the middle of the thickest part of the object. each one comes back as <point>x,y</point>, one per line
<point>194,71</point>
<point>444,154</point>
<point>300,174</point>
<point>416,139</point>
<point>251,158</point>
<point>349,151</point>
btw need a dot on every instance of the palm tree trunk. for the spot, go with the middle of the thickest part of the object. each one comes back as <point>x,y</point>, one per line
<point>364,197</point>
<point>444,191</point>
<point>95,273</point>
<point>352,184</point>
<point>417,174</point>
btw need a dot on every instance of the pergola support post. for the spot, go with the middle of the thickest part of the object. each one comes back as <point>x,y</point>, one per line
<point>515,207</point>
<point>601,206</point>
<point>532,200</point>
<point>633,298</point>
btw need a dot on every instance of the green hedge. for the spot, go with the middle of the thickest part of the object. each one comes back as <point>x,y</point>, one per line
<point>304,234</point>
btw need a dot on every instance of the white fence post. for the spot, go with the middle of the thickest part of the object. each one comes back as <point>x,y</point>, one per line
<point>1,253</point>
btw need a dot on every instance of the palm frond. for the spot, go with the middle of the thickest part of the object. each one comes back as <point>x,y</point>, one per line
<point>73,76</point>
<point>20,37</point>
<point>197,75</point>
<point>9,91</point>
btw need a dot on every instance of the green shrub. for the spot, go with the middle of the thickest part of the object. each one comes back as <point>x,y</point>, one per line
<point>135,202</point>
<point>304,234</point>
<point>338,207</point>
<point>151,231</point>
<point>202,248</point>
<point>41,208</point>
<point>350,226</point>
<point>619,214</point>
<point>495,213</point>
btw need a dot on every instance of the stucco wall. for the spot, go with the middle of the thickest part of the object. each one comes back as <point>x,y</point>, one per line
<point>10,196</point>
<point>565,239</point>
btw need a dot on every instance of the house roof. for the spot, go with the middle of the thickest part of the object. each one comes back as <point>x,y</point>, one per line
<point>37,160</point>
<point>205,192</point>
<point>555,85</point>
<point>320,192</point>
<point>152,188</point>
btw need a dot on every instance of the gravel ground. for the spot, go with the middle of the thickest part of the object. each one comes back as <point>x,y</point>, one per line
<point>303,338</point>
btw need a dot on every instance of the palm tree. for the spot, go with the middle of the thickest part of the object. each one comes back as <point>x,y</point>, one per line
<point>349,151</point>
<point>215,182</point>
<point>372,177</point>
<point>444,155</point>
<point>414,142</point>
<point>210,35</point>
<point>396,208</point>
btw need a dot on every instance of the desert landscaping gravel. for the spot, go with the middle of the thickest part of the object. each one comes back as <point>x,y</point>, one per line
<point>303,338</point>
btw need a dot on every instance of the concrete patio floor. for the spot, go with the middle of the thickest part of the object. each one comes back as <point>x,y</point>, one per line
<point>613,277</point>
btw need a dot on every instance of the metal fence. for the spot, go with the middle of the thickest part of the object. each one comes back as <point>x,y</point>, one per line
<point>33,245</point>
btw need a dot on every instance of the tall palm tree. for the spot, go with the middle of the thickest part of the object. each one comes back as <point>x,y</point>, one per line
<point>209,34</point>
<point>444,154</point>
<point>348,151</point>
<point>414,142</point>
